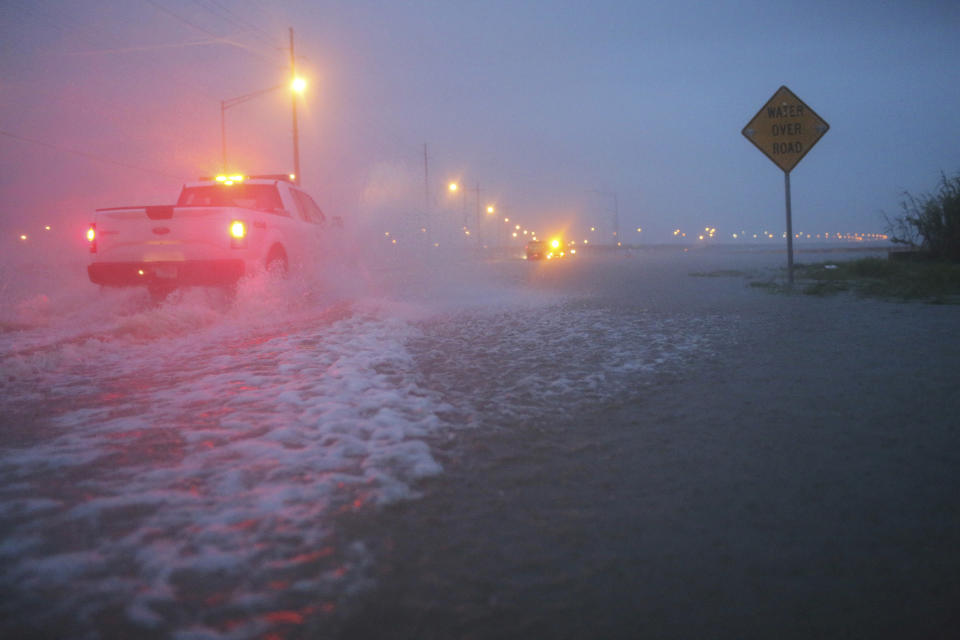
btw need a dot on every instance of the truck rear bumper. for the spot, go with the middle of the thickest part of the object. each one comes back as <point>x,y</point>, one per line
<point>172,274</point>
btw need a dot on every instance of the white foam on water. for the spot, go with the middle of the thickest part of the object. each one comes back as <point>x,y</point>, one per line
<point>204,446</point>
<point>557,358</point>
<point>190,457</point>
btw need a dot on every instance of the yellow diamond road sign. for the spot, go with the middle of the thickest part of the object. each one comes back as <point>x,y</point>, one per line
<point>785,129</point>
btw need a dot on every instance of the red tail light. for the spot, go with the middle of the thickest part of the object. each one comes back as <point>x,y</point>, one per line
<point>92,237</point>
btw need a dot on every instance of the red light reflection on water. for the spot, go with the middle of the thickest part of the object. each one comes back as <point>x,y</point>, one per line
<point>303,558</point>
<point>296,616</point>
<point>356,504</point>
<point>284,617</point>
<point>159,446</point>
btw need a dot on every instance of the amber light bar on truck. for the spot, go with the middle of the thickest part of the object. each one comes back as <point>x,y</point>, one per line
<point>237,178</point>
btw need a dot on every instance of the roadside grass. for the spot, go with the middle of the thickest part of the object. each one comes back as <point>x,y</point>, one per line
<point>933,282</point>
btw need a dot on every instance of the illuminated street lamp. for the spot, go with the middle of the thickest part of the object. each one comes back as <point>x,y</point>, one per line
<point>297,86</point>
<point>232,102</point>
<point>453,188</point>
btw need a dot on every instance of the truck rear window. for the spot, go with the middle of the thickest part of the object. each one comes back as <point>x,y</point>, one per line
<point>262,197</point>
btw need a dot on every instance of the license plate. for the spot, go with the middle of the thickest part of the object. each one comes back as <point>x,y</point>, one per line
<point>165,271</point>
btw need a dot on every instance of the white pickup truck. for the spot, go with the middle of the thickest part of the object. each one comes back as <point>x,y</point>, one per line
<point>220,230</point>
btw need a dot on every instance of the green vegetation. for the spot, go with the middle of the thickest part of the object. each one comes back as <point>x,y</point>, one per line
<point>929,226</point>
<point>931,222</point>
<point>937,282</point>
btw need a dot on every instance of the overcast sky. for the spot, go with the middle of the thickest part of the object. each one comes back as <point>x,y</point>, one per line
<point>541,104</point>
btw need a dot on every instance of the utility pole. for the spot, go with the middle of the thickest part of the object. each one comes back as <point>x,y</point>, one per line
<point>426,196</point>
<point>223,136</point>
<point>426,180</point>
<point>296,133</point>
<point>616,219</point>
<point>616,213</point>
<point>479,235</point>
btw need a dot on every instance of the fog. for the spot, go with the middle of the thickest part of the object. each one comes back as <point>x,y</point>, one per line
<point>422,428</point>
<point>541,106</point>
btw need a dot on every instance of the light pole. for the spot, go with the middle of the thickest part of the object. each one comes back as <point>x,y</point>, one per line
<point>297,86</point>
<point>453,187</point>
<point>496,227</point>
<point>616,213</point>
<point>232,102</point>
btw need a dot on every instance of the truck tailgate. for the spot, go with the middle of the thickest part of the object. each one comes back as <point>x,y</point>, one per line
<point>163,233</point>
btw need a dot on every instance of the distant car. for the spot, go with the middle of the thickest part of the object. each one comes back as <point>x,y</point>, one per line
<point>553,250</point>
<point>220,230</point>
<point>536,250</point>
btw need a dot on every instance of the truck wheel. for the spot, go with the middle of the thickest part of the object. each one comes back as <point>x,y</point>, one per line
<point>159,292</point>
<point>277,263</point>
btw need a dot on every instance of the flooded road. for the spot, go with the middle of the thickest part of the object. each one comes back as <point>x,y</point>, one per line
<point>793,475</point>
<point>638,446</point>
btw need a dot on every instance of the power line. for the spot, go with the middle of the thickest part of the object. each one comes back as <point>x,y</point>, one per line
<point>225,13</point>
<point>192,25</point>
<point>88,156</point>
<point>96,37</point>
<point>152,47</point>
<point>163,9</point>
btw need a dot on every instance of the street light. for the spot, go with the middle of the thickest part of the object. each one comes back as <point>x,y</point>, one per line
<point>297,86</point>
<point>232,102</point>
<point>453,187</point>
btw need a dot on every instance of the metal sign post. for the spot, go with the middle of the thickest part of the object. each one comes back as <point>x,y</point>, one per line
<point>786,189</point>
<point>785,129</point>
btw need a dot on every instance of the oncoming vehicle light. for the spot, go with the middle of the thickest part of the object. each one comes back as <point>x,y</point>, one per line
<point>238,234</point>
<point>92,237</point>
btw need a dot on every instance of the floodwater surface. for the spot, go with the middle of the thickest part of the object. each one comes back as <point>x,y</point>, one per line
<point>638,445</point>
